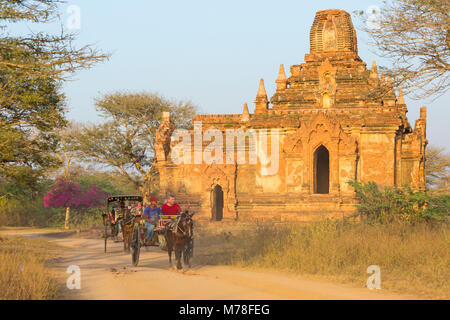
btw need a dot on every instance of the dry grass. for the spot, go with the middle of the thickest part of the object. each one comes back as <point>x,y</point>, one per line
<point>413,259</point>
<point>23,271</point>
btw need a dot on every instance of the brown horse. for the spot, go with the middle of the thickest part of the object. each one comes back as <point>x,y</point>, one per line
<point>180,238</point>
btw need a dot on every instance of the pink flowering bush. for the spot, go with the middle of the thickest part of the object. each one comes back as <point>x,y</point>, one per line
<point>64,194</point>
<point>94,197</point>
<point>67,194</point>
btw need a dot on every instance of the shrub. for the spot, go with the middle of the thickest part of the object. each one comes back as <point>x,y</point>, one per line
<point>386,204</point>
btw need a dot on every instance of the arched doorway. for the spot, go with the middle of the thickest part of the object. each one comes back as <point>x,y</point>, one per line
<point>321,170</point>
<point>217,203</point>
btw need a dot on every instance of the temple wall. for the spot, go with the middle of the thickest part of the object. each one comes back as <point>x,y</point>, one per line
<point>248,193</point>
<point>378,157</point>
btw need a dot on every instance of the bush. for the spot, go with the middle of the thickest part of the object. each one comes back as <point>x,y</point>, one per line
<point>32,213</point>
<point>24,207</point>
<point>399,204</point>
<point>28,212</point>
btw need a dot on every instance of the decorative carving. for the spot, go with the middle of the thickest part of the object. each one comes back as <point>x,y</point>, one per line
<point>321,130</point>
<point>327,84</point>
<point>217,175</point>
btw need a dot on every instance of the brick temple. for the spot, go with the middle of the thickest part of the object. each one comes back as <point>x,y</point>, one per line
<point>335,120</point>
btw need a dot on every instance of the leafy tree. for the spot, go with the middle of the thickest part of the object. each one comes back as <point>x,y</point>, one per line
<point>32,69</point>
<point>126,140</point>
<point>415,36</point>
<point>42,55</point>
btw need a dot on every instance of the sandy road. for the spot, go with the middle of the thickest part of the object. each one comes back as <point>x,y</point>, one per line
<point>111,276</point>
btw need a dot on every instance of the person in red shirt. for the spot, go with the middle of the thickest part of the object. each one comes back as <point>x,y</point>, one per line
<point>171,208</point>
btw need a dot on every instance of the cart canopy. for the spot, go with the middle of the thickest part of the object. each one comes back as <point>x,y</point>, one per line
<point>124,198</point>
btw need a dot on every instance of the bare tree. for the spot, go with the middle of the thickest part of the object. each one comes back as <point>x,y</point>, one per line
<point>415,36</point>
<point>437,167</point>
<point>66,154</point>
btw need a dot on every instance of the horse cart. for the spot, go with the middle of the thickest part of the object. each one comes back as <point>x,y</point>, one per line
<point>119,218</point>
<point>172,232</point>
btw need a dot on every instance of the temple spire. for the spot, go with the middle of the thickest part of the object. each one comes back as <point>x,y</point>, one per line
<point>373,78</point>
<point>281,80</point>
<point>261,102</point>
<point>245,113</point>
<point>261,90</point>
<point>389,93</point>
<point>389,81</point>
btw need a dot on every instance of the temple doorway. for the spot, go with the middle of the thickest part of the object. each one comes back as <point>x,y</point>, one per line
<point>321,170</point>
<point>217,203</point>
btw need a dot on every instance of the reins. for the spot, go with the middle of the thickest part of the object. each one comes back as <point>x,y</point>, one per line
<point>178,228</point>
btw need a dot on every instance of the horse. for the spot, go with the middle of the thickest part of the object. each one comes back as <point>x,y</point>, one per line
<point>180,238</point>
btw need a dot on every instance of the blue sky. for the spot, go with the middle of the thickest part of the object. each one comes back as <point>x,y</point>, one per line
<point>212,53</point>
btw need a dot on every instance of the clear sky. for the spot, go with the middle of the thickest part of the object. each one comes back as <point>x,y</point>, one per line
<point>212,53</point>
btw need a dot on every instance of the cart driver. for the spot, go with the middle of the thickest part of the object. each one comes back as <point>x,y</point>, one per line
<point>151,213</point>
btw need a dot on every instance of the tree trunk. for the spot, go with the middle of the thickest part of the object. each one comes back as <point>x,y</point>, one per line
<point>66,224</point>
<point>78,223</point>
<point>146,189</point>
<point>145,193</point>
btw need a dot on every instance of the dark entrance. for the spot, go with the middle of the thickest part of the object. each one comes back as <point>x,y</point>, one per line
<point>321,170</point>
<point>217,203</point>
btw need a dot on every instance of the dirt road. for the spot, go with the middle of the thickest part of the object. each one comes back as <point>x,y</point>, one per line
<point>111,276</point>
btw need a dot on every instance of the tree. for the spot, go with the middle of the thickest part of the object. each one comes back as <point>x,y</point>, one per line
<point>437,166</point>
<point>66,153</point>
<point>32,69</point>
<point>126,140</point>
<point>42,55</point>
<point>66,194</point>
<point>415,36</point>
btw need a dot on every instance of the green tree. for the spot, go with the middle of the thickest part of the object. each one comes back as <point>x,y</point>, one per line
<point>126,140</point>
<point>415,36</point>
<point>32,69</point>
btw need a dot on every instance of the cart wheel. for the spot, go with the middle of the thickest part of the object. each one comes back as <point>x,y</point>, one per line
<point>135,247</point>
